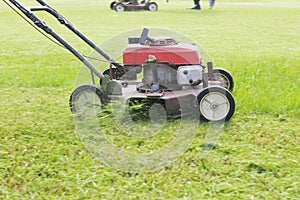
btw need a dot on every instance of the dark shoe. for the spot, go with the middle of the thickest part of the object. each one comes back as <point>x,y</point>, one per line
<point>196,7</point>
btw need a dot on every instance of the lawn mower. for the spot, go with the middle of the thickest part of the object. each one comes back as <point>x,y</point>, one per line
<point>128,5</point>
<point>156,71</point>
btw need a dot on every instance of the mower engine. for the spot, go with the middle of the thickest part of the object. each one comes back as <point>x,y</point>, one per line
<point>167,64</point>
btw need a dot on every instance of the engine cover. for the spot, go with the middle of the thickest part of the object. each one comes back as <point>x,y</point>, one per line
<point>189,75</point>
<point>176,54</point>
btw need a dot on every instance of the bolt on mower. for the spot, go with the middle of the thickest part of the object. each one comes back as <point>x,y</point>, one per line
<point>157,75</point>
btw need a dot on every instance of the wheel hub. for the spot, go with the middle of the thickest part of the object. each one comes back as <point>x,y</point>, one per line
<point>214,106</point>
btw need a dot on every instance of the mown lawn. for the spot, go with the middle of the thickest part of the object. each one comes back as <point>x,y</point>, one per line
<point>256,155</point>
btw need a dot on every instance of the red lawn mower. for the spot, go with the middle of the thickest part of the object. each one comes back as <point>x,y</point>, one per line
<point>155,72</point>
<point>128,5</point>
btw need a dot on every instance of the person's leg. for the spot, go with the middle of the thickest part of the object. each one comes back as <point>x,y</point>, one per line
<point>211,3</point>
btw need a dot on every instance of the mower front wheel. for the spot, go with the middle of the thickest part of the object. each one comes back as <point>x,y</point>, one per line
<point>119,7</point>
<point>87,97</point>
<point>215,104</point>
<point>152,6</point>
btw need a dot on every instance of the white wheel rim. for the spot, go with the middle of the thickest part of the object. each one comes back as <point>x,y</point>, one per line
<point>214,106</point>
<point>87,100</point>
<point>152,7</point>
<point>223,79</point>
<point>119,8</point>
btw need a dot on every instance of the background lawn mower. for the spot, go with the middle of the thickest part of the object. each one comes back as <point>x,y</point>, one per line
<point>155,72</point>
<point>128,5</point>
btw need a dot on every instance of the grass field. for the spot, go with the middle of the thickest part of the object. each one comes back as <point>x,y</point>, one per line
<point>257,152</point>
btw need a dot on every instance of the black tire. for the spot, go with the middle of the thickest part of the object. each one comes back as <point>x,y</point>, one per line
<point>152,6</point>
<point>87,96</point>
<point>215,104</point>
<point>224,77</point>
<point>112,5</point>
<point>119,7</point>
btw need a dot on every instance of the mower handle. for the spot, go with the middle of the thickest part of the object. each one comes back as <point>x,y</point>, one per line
<point>64,21</point>
<point>42,3</point>
<point>45,7</point>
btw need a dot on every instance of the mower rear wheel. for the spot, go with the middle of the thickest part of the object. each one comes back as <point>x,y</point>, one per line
<point>215,104</point>
<point>87,97</point>
<point>224,77</point>
<point>119,7</point>
<point>152,6</point>
<point>112,5</point>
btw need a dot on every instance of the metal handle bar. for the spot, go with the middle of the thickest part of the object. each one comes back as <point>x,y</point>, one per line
<point>28,13</point>
<point>64,21</point>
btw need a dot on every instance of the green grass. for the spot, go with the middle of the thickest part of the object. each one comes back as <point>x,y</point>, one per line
<point>256,155</point>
